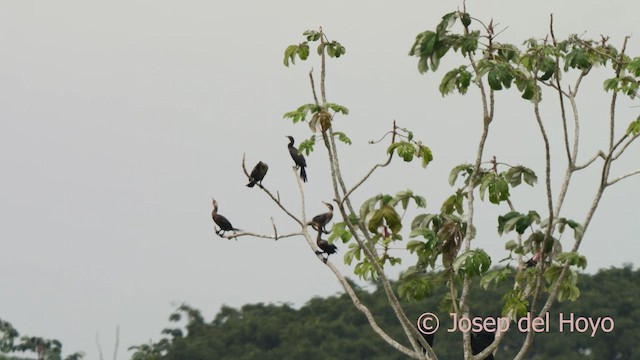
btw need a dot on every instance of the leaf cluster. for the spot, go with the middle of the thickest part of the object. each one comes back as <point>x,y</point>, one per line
<point>332,48</point>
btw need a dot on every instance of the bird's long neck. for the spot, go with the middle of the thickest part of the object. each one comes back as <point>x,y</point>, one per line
<point>291,141</point>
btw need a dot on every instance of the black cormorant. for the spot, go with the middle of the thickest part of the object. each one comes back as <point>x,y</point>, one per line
<point>325,247</point>
<point>320,221</point>
<point>257,174</point>
<point>428,338</point>
<point>220,220</point>
<point>480,341</point>
<point>298,159</point>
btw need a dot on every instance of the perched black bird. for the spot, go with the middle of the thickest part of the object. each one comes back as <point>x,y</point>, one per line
<point>480,341</point>
<point>257,174</point>
<point>298,159</point>
<point>533,261</point>
<point>325,247</point>
<point>320,221</point>
<point>428,338</point>
<point>220,220</point>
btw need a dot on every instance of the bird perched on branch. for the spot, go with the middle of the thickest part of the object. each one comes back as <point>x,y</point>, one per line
<point>325,247</point>
<point>298,159</point>
<point>428,338</point>
<point>320,221</point>
<point>533,261</point>
<point>480,341</point>
<point>220,220</point>
<point>257,174</point>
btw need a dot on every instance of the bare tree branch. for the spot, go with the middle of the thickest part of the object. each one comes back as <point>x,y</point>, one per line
<point>393,138</point>
<point>313,87</point>
<point>599,154</point>
<point>561,97</point>
<point>488,107</point>
<point>115,349</point>
<point>275,236</point>
<point>614,96</point>
<point>99,347</point>
<point>615,180</point>
<point>624,147</point>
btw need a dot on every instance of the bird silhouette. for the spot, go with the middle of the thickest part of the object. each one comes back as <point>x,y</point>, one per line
<point>298,159</point>
<point>257,174</point>
<point>320,221</point>
<point>220,220</point>
<point>325,247</point>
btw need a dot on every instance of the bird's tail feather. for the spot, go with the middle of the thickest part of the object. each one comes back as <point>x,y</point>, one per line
<point>303,174</point>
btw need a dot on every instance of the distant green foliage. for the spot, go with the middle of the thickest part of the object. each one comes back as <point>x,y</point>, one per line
<point>12,342</point>
<point>329,328</point>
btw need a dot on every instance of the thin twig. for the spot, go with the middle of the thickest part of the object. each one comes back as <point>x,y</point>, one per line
<point>614,96</point>
<point>313,87</point>
<point>615,180</point>
<point>624,147</point>
<point>99,347</point>
<point>561,96</point>
<point>275,236</point>
<point>386,163</point>
<point>599,154</point>
<point>115,348</point>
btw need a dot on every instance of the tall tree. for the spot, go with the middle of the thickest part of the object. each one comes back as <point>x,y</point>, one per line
<point>546,272</point>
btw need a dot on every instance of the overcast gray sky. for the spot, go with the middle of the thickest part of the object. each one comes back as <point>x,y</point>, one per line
<point>120,120</point>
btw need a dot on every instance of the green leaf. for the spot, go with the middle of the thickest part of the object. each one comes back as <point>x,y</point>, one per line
<point>423,220</point>
<point>510,245</point>
<point>472,262</point>
<point>515,304</point>
<point>354,252</point>
<point>423,65</point>
<point>447,21</point>
<point>342,137</point>
<point>404,149</point>
<point>466,19</point>
<point>289,54</point>
<point>307,145</point>
<point>303,51</point>
<point>391,218</point>
<point>611,84</point>
<point>494,80</point>
<point>634,127</point>
<point>495,276</point>
<point>312,35</point>
<point>466,169</point>
<point>454,203</point>
<point>414,286</point>
<point>369,205</point>
<point>300,113</point>
<point>448,83</point>
<point>425,153</point>
<point>502,220</point>
<point>331,50</point>
<point>498,190</point>
<point>339,230</point>
<point>337,108</point>
<point>634,66</point>
<point>573,258</point>
<point>469,43</point>
<point>403,197</point>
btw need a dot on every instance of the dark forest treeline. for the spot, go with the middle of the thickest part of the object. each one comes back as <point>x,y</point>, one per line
<point>331,328</point>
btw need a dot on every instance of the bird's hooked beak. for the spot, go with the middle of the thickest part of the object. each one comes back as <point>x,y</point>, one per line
<point>328,205</point>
